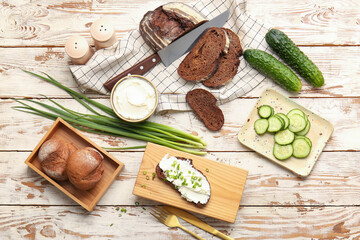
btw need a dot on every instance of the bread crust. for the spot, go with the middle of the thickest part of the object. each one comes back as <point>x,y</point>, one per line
<point>85,168</point>
<point>204,105</point>
<point>228,63</point>
<point>166,23</point>
<point>160,174</point>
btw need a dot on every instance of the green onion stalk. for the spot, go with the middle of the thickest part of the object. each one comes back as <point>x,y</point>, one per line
<point>103,120</point>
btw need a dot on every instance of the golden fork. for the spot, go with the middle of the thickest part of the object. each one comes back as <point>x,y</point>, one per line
<point>170,220</point>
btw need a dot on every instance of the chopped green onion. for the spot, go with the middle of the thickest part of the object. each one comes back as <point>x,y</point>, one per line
<point>147,177</point>
<point>144,172</point>
<point>153,176</point>
<point>123,210</point>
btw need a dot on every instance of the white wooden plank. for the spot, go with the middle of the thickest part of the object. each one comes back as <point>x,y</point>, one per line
<point>20,222</point>
<point>50,23</point>
<point>311,22</point>
<point>333,181</point>
<point>21,131</point>
<point>338,64</point>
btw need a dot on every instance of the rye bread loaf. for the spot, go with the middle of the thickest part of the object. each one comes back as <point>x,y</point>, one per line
<point>228,63</point>
<point>163,25</point>
<point>161,175</point>
<point>204,105</point>
<point>202,60</point>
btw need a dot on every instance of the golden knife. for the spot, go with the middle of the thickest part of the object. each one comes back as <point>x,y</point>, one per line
<point>196,222</point>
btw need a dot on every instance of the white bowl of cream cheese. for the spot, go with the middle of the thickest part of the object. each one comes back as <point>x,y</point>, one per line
<point>134,98</point>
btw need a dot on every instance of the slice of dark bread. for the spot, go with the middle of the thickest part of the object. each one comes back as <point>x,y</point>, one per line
<point>228,63</point>
<point>160,174</point>
<point>202,60</point>
<point>204,105</point>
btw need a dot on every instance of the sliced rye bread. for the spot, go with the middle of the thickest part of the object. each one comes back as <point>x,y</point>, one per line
<point>204,105</point>
<point>160,174</point>
<point>228,63</point>
<point>163,25</point>
<point>202,60</point>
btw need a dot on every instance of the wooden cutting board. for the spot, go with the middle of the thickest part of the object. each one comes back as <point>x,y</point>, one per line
<point>227,184</point>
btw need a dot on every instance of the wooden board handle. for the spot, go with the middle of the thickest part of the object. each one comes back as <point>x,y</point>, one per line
<point>140,68</point>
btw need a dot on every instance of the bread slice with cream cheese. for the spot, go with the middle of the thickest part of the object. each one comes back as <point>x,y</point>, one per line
<point>191,183</point>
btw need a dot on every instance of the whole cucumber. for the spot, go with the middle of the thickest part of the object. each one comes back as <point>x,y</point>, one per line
<point>273,68</point>
<point>294,57</point>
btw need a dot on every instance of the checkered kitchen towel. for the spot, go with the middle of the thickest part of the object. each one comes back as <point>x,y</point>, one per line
<point>109,62</point>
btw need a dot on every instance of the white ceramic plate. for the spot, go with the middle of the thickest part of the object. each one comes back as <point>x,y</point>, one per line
<point>319,133</point>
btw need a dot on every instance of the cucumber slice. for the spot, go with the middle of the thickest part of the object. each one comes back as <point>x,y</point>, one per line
<point>275,124</point>
<point>306,129</point>
<point>265,111</point>
<point>285,118</point>
<point>295,111</point>
<point>284,137</point>
<point>306,139</point>
<point>261,126</point>
<point>282,152</point>
<point>281,120</point>
<point>301,148</point>
<point>297,123</point>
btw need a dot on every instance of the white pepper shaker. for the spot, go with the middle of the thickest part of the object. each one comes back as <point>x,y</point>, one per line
<point>78,50</point>
<point>103,33</point>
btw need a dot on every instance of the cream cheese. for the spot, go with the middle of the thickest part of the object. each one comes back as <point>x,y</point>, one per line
<point>191,183</point>
<point>134,98</point>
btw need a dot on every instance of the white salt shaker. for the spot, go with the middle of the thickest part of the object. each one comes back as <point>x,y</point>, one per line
<point>78,49</point>
<point>103,33</point>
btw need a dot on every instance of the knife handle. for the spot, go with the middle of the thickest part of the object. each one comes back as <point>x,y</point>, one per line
<point>223,236</point>
<point>140,68</point>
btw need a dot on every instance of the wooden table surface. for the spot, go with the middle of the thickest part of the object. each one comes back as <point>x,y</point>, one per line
<point>275,205</point>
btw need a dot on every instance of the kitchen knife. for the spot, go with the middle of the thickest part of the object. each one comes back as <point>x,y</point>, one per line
<point>171,52</point>
<point>195,221</point>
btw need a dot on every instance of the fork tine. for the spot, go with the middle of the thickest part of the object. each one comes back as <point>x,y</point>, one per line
<point>160,212</point>
<point>158,215</point>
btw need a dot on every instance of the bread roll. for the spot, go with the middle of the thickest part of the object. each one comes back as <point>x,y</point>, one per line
<point>85,168</point>
<point>53,157</point>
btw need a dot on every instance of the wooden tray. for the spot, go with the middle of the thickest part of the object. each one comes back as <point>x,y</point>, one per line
<point>319,133</point>
<point>227,184</point>
<point>112,166</point>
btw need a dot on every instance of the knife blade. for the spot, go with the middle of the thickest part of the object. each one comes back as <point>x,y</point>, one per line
<point>171,52</point>
<point>185,43</point>
<point>196,221</point>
